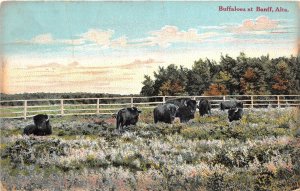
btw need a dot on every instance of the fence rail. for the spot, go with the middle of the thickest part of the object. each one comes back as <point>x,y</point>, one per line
<point>110,105</point>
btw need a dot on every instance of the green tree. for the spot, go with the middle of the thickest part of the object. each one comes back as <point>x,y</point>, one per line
<point>229,67</point>
<point>173,74</point>
<point>253,78</point>
<point>147,89</point>
<point>199,78</point>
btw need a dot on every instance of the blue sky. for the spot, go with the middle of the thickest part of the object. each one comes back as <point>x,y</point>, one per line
<point>23,21</point>
<point>120,33</point>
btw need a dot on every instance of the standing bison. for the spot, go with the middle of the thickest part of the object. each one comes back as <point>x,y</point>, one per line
<point>204,107</point>
<point>127,116</point>
<point>230,104</point>
<point>235,114</point>
<point>41,126</point>
<point>165,113</point>
<point>186,108</point>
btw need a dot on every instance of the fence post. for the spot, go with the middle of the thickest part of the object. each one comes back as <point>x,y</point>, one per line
<point>25,109</point>
<point>251,101</point>
<point>278,101</point>
<point>98,100</point>
<point>224,98</point>
<point>164,99</point>
<point>62,107</point>
<point>131,101</point>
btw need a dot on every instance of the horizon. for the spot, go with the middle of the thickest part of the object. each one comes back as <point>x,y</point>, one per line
<point>108,47</point>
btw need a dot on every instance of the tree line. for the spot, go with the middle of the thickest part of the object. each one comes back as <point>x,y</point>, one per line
<point>231,76</point>
<point>42,95</point>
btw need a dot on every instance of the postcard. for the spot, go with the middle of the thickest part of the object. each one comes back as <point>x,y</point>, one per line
<point>149,95</point>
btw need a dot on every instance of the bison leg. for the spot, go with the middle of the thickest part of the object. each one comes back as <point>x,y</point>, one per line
<point>48,131</point>
<point>155,116</point>
<point>118,121</point>
<point>29,129</point>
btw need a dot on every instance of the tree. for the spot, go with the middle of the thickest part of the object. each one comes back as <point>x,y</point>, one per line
<point>171,88</point>
<point>253,82</point>
<point>243,75</point>
<point>216,89</point>
<point>294,73</point>
<point>147,89</point>
<point>229,67</point>
<point>281,78</point>
<point>200,77</point>
<point>173,74</point>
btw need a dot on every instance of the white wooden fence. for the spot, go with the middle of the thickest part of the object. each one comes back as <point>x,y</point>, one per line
<point>110,105</point>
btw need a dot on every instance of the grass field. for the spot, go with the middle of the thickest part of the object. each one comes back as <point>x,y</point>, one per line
<point>260,152</point>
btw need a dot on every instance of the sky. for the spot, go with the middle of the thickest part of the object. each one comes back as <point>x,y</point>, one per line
<point>108,47</point>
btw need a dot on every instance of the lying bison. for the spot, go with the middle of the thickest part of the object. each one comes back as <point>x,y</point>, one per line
<point>231,104</point>
<point>127,116</point>
<point>186,108</point>
<point>41,126</point>
<point>235,114</point>
<point>165,113</point>
<point>204,107</point>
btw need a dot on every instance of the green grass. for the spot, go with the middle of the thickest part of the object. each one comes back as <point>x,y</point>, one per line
<point>259,152</point>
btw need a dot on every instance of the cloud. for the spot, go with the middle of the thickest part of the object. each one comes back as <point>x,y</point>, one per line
<point>54,65</point>
<point>78,41</point>
<point>43,39</point>
<point>123,77</point>
<point>260,24</point>
<point>99,37</point>
<point>140,64</point>
<point>251,41</point>
<point>47,39</point>
<point>163,37</point>
<point>215,27</point>
<point>102,38</point>
<point>120,42</point>
<point>171,34</point>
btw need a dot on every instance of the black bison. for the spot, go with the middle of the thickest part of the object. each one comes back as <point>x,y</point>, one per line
<point>127,116</point>
<point>41,126</point>
<point>165,113</point>
<point>230,104</point>
<point>204,107</point>
<point>186,108</point>
<point>235,114</point>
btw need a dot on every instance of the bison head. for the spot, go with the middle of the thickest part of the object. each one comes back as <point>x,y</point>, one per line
<point>41,121</point>
<point>235,114</point>
<point>191,105</point>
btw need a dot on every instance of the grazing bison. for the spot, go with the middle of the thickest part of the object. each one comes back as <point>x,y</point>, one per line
<point>127,116</point>
<point>235,114</point>
<point>165,113</point>
<point>204,107</point>
<point>230,104</point>
<point>186,108</point>
<point>41,126</point>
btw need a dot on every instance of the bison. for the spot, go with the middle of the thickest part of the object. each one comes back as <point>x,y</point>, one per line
<point>41,126</point>
<point>235,114</point>
<point>127,116</point>
<point>230,104</point>
<point>186,108</point>
<point>204,107</point>
<point>165,113</point>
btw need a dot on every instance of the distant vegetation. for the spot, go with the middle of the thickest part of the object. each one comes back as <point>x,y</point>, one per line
<point>35,96</point>
<point>231,76</point>
<point>41,95</point>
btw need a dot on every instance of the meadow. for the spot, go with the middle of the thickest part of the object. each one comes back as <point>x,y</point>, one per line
<point>260,152</point>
